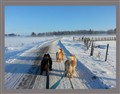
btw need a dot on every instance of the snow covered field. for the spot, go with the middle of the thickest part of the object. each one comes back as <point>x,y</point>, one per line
<point>105,71</point>
<point>17,45</point>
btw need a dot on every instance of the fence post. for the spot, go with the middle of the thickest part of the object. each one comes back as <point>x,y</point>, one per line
<point>92,49</point>
<point>82,38</point>
<point>73,38</point>
<point>106,52</point>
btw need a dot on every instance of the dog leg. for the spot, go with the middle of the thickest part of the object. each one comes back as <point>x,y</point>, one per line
<point>46,73</point>
<point>59,60</point>
<point>65,74</point>
<point>63,60</point>
<point>41,72</point>
<point>71,75</point>
<point>73,71</point>
<point>56,59</point>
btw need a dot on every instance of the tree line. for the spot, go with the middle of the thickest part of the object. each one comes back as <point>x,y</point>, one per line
<point>77,32</point>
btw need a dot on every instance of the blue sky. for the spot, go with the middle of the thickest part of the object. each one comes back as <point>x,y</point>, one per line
<point>26,19</point>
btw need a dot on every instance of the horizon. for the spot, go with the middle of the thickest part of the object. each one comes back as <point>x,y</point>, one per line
<point>66,31</point>
<point>24,20</point>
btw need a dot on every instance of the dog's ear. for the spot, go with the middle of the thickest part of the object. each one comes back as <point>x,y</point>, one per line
<point>48,55</point>
<point>44,55</point>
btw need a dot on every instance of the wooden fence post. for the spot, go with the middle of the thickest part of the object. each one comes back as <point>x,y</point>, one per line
<point>73,38</point>
<point>106,52</point>
<point>82,38</point>
<point>92,49</point>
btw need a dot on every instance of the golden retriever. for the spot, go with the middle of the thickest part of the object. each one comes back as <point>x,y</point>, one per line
<point>60,55</point>
<point>70,66</point>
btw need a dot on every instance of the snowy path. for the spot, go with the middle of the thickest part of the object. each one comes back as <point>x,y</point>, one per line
<point>26,70</point>
<point>18,76</point>
<point>21,72</point>
<point>82,78</point>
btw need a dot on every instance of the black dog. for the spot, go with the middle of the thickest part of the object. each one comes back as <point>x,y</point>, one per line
<point>46,64</point>
<point>50,62</point>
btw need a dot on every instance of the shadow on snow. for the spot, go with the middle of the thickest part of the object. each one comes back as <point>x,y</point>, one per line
<point>13,54</point>
<point>22,68</point>
<point>28,58</point>
<point>86,73</point>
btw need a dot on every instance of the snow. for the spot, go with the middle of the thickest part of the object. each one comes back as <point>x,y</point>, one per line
<point>92,72</point>
<point>16,45</point>
<point>106,71</point>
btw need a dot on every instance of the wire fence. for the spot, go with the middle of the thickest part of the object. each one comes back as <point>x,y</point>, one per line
<point>95,38</point>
